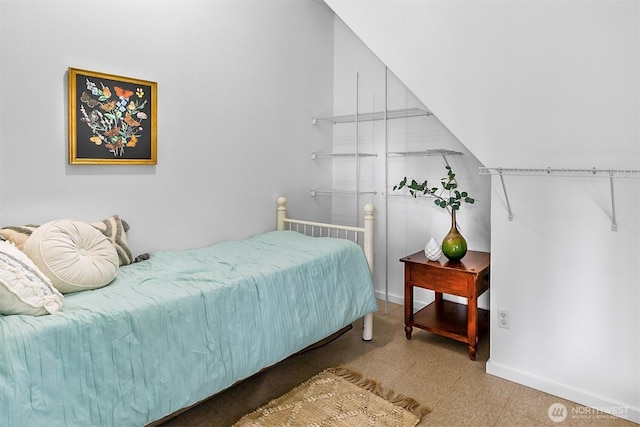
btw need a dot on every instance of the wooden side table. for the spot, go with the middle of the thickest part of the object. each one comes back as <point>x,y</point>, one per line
<point>468,278</point>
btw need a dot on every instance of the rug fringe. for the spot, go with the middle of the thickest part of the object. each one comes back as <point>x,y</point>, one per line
<point>373,386</point>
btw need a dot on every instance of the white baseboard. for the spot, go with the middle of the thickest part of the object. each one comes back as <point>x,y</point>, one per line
<point>392,298</point>
<point>600,403</point>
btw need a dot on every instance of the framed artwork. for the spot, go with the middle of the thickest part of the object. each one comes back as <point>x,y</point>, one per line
<point>112,119</point>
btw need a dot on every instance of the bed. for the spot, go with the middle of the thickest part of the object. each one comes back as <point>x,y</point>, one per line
<point>184,325</point>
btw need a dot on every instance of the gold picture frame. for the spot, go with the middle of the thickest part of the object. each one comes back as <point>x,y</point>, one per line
<point>112,119</point>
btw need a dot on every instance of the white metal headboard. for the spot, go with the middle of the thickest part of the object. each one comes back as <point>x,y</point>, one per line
<point>320,229</point>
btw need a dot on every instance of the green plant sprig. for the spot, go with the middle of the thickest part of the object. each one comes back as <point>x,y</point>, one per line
<point>449,184</point>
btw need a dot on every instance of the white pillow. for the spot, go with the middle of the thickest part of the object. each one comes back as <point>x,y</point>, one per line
<point>74,255</point>
<point>23,287</point>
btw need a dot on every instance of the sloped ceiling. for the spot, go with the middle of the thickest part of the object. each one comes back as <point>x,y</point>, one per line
<point>521,84</point>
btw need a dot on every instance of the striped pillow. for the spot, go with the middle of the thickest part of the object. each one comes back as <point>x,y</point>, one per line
<point>115,229</point>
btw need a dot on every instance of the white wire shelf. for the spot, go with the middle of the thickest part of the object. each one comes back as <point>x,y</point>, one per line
<point>429,152</point>
<point>554,172</point>
<point>401,113</point>
<point>315,156</point>
<point>320,192</point>
<point>406,195</point>
<point>584,173</point>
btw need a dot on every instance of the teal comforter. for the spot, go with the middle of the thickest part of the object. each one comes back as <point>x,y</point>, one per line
<point>173,330</point>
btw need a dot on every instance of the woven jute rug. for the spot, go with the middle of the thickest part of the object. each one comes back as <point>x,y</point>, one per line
<point>337,397</point>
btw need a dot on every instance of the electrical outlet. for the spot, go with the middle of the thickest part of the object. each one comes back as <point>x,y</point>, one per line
<point>504,318</point>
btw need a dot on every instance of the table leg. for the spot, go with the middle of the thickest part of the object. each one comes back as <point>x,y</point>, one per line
<point>407,331</point>
<point>408,303</point>
<point>473,349</point>
<point>472,325</point>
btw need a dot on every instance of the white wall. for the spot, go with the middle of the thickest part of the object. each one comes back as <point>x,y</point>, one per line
<point>238,82</point>
<point>540,84</point>
<point>403,224</point>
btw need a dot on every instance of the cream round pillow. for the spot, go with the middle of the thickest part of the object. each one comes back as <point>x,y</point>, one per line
<point>74,255</point>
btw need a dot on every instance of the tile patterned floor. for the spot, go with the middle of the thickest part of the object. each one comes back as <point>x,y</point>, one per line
<point>434,370</point>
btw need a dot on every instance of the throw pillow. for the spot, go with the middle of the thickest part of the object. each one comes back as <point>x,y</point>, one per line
<point>115,228</point>
<point>74,255</point>
<point>17,234</point>
<point>23,287</point>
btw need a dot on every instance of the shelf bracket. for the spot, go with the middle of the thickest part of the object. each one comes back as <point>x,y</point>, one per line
<point>506,198</point>
<point>614,224</point>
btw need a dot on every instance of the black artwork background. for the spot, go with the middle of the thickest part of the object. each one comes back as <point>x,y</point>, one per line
<point>86,149</point>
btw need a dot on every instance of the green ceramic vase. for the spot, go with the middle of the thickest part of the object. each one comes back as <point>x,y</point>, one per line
<point>454,246</point>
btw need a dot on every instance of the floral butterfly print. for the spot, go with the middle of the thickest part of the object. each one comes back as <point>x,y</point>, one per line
<point>115,121</point>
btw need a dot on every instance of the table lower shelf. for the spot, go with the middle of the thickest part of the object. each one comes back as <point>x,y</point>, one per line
<point>449,319</point>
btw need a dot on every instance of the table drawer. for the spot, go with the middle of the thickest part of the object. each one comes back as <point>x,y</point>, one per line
<point>440,280</point>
